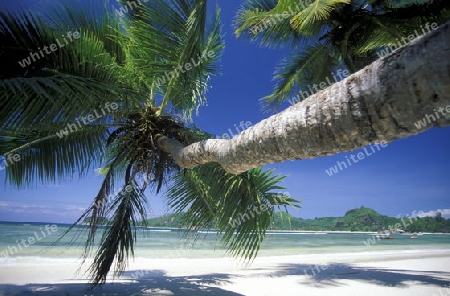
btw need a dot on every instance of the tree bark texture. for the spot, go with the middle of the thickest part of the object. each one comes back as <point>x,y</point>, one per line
<point>382,102</point>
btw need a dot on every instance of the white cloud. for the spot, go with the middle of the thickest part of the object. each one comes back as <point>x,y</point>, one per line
<point>445,213</point>
<point>57,210</point>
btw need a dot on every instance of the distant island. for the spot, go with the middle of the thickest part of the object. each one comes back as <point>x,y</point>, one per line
<point>359,219</point>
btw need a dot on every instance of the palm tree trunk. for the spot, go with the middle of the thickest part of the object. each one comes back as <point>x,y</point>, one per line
<point>382,102</point>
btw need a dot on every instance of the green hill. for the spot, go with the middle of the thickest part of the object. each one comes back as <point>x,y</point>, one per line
<point>169,220</point>
<point>359,219</point>
<point>365,219</point>
<point>362,219</point>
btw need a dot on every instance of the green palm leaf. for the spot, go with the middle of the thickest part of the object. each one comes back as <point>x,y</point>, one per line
<point>268,21</point>
<point>298,74</point>
<point>117,242</point>
<point>241,206</point>
<point>311,20</point>
<point>47,158</point>
<point>161,53</point>
<point>25,102</point>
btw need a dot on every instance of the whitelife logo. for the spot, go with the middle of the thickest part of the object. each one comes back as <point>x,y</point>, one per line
<point>272,21</point>
<point>9,160</point>
<point>72,127</point>
<point>50,229</point>
<point>254,212</point>
<point>35,56</point>
<point>405,40</point>
<point>131,5</point>
<point>242,126</point>
<point>184,68</point>
<point>360,156</point>
<point>338,76</point>
<point>431,118</point>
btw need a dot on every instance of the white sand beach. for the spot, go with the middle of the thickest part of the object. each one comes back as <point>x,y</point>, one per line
<point>373,273</point>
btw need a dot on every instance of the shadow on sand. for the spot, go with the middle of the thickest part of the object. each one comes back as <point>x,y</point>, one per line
<point>331,275</point>
<point>156,282</point>
<point>148,282</point>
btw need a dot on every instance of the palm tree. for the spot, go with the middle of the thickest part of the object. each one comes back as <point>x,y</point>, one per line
<point>397,96</point>
<point>85,88</point>
<point>329,35</point>
<point>141,140</point>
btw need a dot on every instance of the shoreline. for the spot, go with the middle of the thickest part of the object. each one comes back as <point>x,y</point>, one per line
<point>165,228</point>
<point>345,256</point>
<point>379,249</point>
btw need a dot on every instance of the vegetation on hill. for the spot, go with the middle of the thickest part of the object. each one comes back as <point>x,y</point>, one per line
<point>169,220</point>
<point>360,219</point>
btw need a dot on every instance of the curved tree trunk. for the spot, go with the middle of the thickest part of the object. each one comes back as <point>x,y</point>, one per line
<point>382,102</point>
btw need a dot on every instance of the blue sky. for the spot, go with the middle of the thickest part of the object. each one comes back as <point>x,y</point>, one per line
<point>408,175</point>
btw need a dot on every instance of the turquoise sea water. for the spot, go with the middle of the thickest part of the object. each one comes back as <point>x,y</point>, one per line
<point>163,243</point>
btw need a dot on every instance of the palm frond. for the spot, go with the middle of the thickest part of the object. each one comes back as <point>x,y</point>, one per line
<point>98,20</point>
<point>66,83</point>
<point>18,34</point>
<point>311,20</point>
<point>25,102</point>
<point>384,30</point>
<point>186,91</point>
<point>426,10</point>
<point>269,22</point>
<point>298,74</point>
<point>47,158</point>
<point>118,240</point>
<point>97,211</point>
<point>32,48</point>
<point>241,206</point>
<point>174,52</point>
<point>372,33</point>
